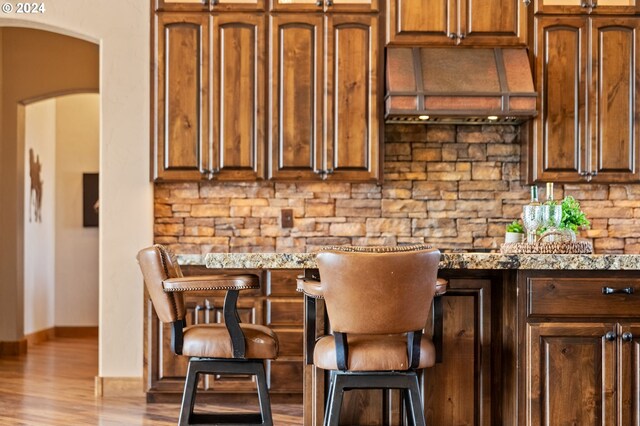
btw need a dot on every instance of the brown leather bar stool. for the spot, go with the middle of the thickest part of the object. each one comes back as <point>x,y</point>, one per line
<point>378,301</point>
<point>229,348</point>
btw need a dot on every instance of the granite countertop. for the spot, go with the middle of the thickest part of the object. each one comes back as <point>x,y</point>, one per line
<point>447,261</point>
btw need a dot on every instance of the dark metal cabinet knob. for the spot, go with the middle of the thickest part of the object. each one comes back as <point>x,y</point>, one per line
<point>610,336</point>
<point>584,4</point>
<point>319,3</point>
<point>461,35</point>
<point>627,336</point>
<point>453,36</point>
<point>526,2</point>
<point>329,3</point>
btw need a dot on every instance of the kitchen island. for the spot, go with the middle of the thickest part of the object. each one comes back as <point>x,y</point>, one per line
<point>525,339</point>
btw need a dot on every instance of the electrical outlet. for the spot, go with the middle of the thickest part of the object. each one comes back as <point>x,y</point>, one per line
<point>286,220</point>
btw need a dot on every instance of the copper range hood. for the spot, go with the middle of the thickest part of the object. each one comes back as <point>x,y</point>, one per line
<point>459,85</point>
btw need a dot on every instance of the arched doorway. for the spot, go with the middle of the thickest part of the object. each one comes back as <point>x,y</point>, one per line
<point>61,140</point>
<point>36,64</point>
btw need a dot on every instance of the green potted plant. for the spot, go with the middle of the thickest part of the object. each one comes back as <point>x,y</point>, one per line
<point>514,232</point>
<point>573,218</point>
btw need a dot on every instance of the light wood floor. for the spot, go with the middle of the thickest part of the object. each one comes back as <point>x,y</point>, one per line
<point>54,385</point>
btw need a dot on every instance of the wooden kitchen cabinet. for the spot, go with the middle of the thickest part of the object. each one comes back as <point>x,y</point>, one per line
<point>205,5</point>
<point>587,6</point>
<point>330,6</point>
<point>581,354</point>
<point>209,98</point>
<point>447,22</point>
<point>275,304</point>
<point>588,128</point>
<point>325,121</point>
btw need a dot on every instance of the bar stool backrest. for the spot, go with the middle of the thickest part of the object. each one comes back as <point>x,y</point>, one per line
<point>378,290</point>
<point>158,264</point>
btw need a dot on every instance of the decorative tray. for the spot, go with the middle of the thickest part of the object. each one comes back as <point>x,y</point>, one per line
<point>555,247</point>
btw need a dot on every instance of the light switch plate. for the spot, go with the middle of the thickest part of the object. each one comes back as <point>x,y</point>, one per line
<point>286,219</point>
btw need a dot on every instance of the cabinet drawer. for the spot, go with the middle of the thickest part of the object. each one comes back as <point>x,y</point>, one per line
<point>285,311</point>
<point>285,376</point>
<point>571,297</point>
<point>289,341</point>
<point>283,282</point>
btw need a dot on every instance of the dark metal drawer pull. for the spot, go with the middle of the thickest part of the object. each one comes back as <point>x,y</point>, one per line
<point>627,337</point>
<point>611,290</point>
<point>610,336</point>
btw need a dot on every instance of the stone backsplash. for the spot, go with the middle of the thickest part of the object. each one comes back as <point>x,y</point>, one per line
<point>450,186</point>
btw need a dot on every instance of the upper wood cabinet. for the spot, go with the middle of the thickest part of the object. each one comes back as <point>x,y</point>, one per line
<point>210,99</point>
<point>324,118</point>
<point>205,5</point>
<point>181,89</point>
<point>588,128</point>
<point>447,22</point>
<point>588,6</point>
<point>324,5</point>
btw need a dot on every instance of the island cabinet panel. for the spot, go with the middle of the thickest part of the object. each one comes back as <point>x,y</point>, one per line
<point>457,390</point>
<point>630,382</point>
<point>448,22</point>
<point>571,372</point>
<point>282,310</point>
<point>209,90</point>
<point>581,354</point>
<point>181,91</point>
<point>587,82</point>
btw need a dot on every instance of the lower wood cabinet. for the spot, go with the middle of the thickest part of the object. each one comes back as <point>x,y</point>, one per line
<point>275,304</point>
<point>580,365</point>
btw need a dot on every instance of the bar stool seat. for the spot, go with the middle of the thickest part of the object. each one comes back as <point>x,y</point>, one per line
<point>370,352</point>
<point>212,341</point>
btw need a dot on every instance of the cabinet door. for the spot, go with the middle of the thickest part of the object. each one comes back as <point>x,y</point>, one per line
<point>481,25</point>
<point>296,117</point>
<point>560,144</point>
<point>418,21</point>
<point>238,93</point>
<point>588,6</point>
<point>181,96</point>
<point>614,114</point>
<point>570,374</point>
<point>352,114</point>
<point>629,374</point>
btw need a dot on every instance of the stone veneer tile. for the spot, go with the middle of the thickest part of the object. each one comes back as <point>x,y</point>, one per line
<point>451,186</point>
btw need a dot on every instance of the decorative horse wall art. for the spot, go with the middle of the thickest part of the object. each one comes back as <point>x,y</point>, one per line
<point>35,194</point>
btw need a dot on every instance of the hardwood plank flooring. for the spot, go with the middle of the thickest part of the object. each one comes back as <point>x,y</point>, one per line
<point>54,385</point>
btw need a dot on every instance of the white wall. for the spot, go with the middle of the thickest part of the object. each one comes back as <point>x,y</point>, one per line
<point>121,27</point>
<point>39,237</point>
<point>76,247</point>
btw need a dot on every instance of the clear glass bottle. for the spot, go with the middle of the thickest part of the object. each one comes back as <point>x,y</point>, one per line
<point>549,194</point>
<point>534,196</point>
